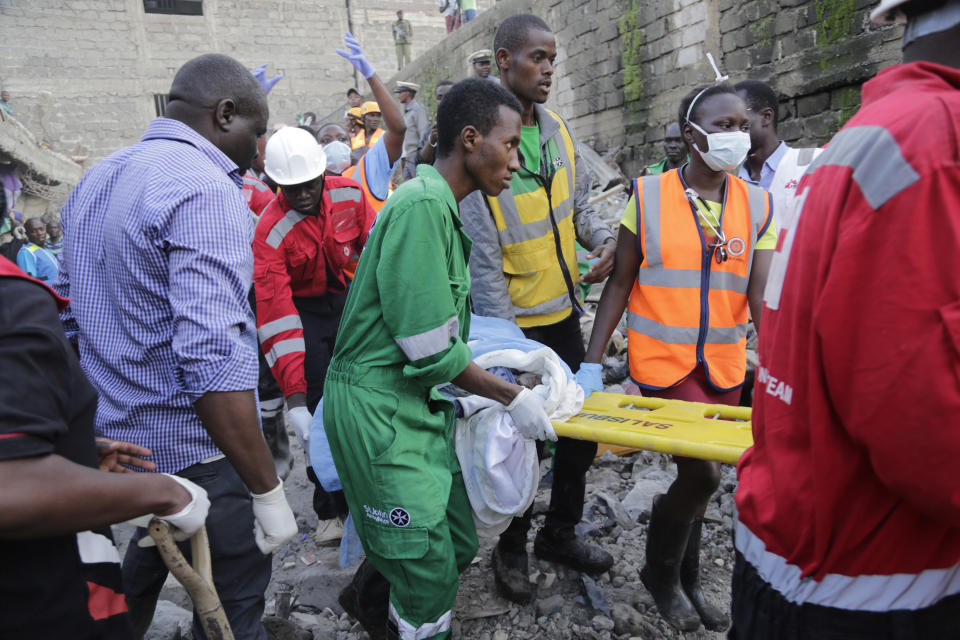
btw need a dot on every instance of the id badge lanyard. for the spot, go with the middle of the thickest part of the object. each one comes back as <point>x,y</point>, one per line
<point>719,245</point>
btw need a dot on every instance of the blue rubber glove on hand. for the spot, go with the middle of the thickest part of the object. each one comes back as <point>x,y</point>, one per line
<point>356,57</point>
<point>260,73</point>
<point>590,377</point>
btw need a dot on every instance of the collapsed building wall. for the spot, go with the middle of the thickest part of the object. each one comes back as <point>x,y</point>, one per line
<point>624,65</point>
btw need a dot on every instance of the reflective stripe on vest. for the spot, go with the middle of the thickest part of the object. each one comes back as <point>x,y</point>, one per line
<point>536,282</point>
<point>284,226</point>
<point>685,308</point>
<point>375,203</point>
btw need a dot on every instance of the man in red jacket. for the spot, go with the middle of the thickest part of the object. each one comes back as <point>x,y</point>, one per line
<point>314,227</point>
<point>849,501</point>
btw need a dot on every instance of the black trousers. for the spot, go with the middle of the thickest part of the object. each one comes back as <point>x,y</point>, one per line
<point>241,572</point>
<point>321,319</point>
<point>572,457</point>
<point>761,613</point>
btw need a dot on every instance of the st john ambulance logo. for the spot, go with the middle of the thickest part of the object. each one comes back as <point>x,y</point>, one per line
<point>399,517</point>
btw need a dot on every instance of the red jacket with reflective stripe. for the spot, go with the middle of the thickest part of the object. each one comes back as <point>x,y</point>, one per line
<point>257,194</point>
<point>297,255</point>
<point>857,400</point>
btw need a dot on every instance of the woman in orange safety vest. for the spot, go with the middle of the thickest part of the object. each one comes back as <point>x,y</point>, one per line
<point>692,257</point>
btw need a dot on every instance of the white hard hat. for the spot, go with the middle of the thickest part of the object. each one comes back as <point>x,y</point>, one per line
<point>338,156</point>
<point>293,156</point>
<point>889,12</point>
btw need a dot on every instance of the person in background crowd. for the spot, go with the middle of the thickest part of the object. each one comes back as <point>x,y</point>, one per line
<point>848,519</point>
<point>54,243</point>
<point>354,99</point>
<point>451,13</point>
<point>481,65</point>
<point>332,132</point>
<point>338,158</point>
<point>5,102</point>
<point>414,117</point>
<point>406,326</point>
<point>692,261</point>
<point>313,229</point>
<point>372,132</point>
<point>675,150</point>
<point>523,268</point>
<point>402,39</point>
<point>771,164</point>
<point>33,258</point>
<point>469,9</point>
<point>61,571</point>
<point>426,150</point>
<point>354,123</point>
<point>375,168</point>
<point>157,265</point>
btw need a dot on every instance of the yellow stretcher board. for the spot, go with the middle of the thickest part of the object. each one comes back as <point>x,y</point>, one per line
<point>692,429</point>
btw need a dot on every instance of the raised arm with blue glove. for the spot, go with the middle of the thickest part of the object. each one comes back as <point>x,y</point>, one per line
<point>356,57</point>
<point>260,73</point>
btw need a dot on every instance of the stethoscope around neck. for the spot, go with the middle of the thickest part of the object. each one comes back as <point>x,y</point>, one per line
<point>700,208</point>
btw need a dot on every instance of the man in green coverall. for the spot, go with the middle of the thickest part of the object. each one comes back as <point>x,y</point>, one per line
<point>404,330</point>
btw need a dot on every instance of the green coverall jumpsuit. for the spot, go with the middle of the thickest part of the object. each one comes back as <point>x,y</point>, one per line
<point>403,331</point>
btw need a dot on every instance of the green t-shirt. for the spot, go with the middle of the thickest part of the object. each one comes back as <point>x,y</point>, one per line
<point>530,147</point>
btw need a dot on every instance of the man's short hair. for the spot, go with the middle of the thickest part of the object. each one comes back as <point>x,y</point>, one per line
<point>710,90</point>
<point>444,83</point>
<point>351,90</point>
<point>512,34</point>
<point>472,102</point>
<point>206,80</point>
<point>760,96</point>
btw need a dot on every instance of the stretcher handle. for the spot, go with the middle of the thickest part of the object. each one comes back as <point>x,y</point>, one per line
<point>197,580</point>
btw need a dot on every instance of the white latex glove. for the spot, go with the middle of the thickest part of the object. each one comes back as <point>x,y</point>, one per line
<point>300,418</point>
<point>529,418</point>
<point>274,522</point>
<point>185,522</point>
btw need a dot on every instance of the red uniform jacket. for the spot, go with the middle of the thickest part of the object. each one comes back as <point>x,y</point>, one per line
<point>298,255</point>
<point>257,194</point>
<point>850,496</point>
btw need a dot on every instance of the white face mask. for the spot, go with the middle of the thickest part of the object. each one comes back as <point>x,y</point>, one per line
<point>725,151</point>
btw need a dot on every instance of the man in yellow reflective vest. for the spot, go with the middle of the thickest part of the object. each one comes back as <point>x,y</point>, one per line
<point>524,268</point>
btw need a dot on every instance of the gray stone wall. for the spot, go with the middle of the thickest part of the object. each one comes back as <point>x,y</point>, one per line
<point>624,65</point>
<point>82,73</point>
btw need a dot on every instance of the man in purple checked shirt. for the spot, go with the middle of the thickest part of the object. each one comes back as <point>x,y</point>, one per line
<point>157,264</point>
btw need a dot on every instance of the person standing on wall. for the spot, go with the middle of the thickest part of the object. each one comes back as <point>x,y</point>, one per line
<point>524,268</point>
<point>469,9</point>
<point>402,39</point>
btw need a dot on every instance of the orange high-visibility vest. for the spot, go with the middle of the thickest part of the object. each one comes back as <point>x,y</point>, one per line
<point>358,140</point>
<point>361,178</point>
<point>685,308</point>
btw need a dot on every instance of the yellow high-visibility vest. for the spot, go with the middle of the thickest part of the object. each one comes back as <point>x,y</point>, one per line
<point>538,240</point>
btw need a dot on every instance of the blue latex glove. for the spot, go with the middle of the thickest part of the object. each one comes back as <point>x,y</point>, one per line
<point>356,57</point>
<point>590,377</point>
<point>260,73</point>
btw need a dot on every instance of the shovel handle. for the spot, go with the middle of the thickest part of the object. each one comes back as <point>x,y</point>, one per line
<point>197,581</point>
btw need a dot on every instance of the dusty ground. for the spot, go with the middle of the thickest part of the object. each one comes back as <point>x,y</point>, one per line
<point>619,607</point>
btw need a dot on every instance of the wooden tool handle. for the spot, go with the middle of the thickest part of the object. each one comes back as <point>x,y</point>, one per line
<point>198,582</point>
